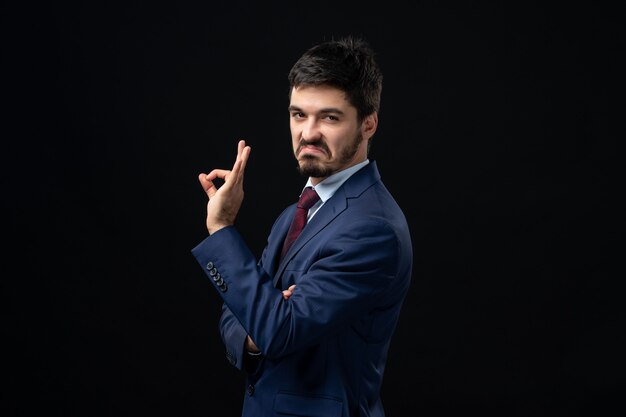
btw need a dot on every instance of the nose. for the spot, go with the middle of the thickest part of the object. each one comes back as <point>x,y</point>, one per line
<point>311,130</point>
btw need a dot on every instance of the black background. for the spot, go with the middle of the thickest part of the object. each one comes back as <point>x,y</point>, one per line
<point>498,136</point>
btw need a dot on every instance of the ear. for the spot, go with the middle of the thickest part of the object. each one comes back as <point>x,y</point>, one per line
<point>369,125</point>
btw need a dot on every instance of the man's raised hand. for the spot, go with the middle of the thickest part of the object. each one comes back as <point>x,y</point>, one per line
<point>224,202</point>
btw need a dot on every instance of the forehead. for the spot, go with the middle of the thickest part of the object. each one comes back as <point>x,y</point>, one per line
<point>314,98</point>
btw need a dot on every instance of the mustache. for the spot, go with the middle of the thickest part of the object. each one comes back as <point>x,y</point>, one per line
<point>316,143</point>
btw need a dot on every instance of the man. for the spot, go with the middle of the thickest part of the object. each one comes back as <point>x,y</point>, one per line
<point>311,324</point>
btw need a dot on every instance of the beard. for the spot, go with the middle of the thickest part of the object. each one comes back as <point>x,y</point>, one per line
<point>312,166</point>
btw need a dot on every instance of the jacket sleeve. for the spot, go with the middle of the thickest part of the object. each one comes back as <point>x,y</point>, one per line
<point>233,336</point>
<point>232,332</point>
<point>351,273</point>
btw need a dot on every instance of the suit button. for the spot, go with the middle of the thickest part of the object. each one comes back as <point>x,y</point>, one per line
<point>250,390</point>
<point>209,265</point>
<point>223,287</point>
<point>213,271</point>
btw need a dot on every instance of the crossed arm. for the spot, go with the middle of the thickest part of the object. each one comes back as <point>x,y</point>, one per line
<point>250,346</point>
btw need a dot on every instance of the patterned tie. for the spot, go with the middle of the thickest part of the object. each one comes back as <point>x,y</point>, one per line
<point>307,199</point>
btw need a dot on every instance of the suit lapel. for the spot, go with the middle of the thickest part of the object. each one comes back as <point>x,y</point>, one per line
<point>352,188</point>
<point>331,209</point>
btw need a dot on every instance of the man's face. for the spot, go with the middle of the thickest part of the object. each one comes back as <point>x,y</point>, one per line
<point>325,134</point>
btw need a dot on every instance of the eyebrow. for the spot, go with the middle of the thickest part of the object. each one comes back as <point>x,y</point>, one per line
<point>327,110</point>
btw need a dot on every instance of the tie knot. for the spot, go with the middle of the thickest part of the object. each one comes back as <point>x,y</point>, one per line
<point>308,198</point>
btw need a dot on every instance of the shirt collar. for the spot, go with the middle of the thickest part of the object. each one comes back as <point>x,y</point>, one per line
<point>328,186</point>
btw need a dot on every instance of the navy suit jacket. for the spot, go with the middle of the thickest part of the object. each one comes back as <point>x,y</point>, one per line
<point>324,350</point>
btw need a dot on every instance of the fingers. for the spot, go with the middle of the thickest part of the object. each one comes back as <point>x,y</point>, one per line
<point>244,158</point>
<point>217,173</point>
<point>243,152</point>
<point>240,145</point>
<point>232,177</point>
<point>206,180</point>
<point>288,292</point>
<point>207,184</point>
<point>250,345</point>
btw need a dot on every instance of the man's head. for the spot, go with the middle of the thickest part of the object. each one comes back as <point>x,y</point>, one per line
<point>334,102</point>
<point>348,64</point>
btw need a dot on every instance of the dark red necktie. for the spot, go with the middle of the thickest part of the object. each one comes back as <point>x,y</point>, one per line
<point>307,199</point>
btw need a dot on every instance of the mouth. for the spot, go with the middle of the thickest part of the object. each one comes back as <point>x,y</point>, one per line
<point>311,150</point>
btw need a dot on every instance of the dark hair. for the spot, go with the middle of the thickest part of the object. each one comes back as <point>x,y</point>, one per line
<point>348,64</point>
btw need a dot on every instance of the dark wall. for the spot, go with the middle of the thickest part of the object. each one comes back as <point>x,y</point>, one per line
<point>498,136</point>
